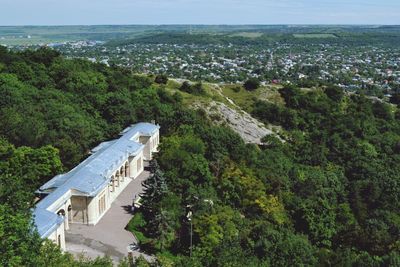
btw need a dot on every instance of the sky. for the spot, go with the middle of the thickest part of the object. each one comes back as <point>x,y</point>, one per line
<point>94,12</point>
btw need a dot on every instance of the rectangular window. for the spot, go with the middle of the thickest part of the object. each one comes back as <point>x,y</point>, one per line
<point>100,208</point>
<point>102,204</point>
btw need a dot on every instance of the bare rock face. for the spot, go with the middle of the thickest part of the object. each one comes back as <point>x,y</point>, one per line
<point>249,128</point>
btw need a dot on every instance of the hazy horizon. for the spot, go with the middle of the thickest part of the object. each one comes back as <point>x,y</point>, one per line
<point>203,24</point>
<point>196,12</point>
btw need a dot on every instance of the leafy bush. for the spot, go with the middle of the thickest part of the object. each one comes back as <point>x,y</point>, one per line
<point>251,84</point>
<point>161,79</point>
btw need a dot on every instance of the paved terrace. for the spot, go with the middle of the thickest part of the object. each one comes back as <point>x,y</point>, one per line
<point>108,237</point>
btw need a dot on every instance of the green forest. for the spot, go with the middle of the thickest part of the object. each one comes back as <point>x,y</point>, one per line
<point>324,194</point>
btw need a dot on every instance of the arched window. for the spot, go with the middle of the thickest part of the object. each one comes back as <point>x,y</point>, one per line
<point>61,212</point>
<point>127,174</point>
<point>112,184</point>
<point>117,175</point>
<point>122,172</point>
<point>69,213</point>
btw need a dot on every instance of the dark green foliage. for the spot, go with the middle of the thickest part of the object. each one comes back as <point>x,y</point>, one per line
<point>154,190</point>
<point>185,87</point>
<point>72,104</point>
<point>251,84</point>
<point>281,247</point>
<point>161,79</point>
<point>344,199</point>
<point>334,93</point>
<point>323,196</point>
<point>52,107</point>
<point>395,98</point>
<point>328,195</point>
<point>157,209</point>
<point>195,89</point>
<point>23,170</point>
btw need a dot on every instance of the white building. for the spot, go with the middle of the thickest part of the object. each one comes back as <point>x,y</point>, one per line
<point>84,194</point>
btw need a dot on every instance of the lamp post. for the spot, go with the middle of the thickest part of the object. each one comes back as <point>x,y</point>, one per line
<point>189,217</point>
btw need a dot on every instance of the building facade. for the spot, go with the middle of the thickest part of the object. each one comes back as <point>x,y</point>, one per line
<point>84,194</point>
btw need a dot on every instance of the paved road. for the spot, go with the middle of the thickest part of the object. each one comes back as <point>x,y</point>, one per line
<point>108,237</point>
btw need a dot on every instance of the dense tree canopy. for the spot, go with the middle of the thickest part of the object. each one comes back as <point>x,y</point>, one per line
<point>328,195</point>
<point>52,111</point>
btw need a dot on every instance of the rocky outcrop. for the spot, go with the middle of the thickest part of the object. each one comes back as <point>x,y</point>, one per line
<point>249,128</point>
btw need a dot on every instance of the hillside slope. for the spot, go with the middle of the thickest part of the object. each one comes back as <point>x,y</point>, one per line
<point>223,110</point>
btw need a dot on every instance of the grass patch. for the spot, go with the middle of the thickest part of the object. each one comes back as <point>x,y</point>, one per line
<point>136,225</point>
<point>173,84</point>
<point>242,97</point>
<point>271,93</point>
<point>245,99</point>
<point>190,99</point>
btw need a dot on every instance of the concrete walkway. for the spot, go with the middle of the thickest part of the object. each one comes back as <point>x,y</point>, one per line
<point>108,237</point>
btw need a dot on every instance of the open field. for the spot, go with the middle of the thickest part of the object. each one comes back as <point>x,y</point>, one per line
<point>247,34</point>
<point>314,35</point>
<point>33,35</point>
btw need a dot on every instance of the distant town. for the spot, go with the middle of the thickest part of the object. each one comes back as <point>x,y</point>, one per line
<point>357,59</point>
<point>374,70</point>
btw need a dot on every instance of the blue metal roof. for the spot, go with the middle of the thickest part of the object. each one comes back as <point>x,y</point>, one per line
<point>46,222</point>
<point>94,173</point>
<point>144,128</point>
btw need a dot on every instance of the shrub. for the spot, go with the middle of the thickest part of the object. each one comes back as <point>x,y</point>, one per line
<point>236,89</point>
<point>161,79</point>
<point>251,84</point>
